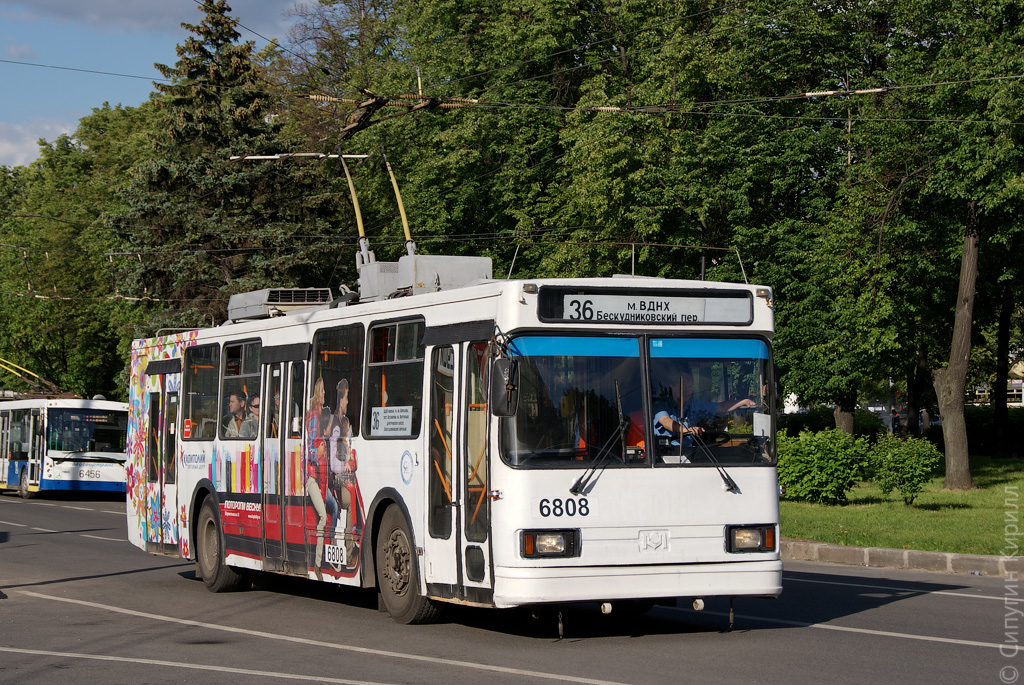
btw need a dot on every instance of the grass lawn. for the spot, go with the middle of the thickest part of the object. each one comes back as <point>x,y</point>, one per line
<point>972,522</point>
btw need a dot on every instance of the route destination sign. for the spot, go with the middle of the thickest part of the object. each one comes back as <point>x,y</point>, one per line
<point>650,308</point>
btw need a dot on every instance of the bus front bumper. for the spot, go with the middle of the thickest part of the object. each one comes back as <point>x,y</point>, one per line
<point>521,586</point>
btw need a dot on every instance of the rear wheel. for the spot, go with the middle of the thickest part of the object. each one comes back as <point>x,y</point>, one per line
<point>397,572</point>
<point>218,576</point>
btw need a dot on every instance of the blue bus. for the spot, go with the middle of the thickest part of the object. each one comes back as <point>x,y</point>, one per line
<point>62,445</point>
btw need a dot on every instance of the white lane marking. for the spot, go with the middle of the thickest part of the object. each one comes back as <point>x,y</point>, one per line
<point>178,664</point>
<point>331,645</point>
<point>865,631</point>
<point>20,502</point>
<point>100,537</point>
<point>12,523</point>
<point>64,532</point>
<point>948,593</point>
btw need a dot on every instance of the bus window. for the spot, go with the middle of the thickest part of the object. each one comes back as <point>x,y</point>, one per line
<point>569,394</point>
<point>394,388</point>
<point>87,430</point>
<point>442,394</point>
<point>338,359</point>
<point>200,380</point>
<point>297,390</point>
<point>170,446</point>
<point>240,385</point>
<point>20,434</point>
<point>476,442</point>
<point>153,439</point>
<point>724,411</point>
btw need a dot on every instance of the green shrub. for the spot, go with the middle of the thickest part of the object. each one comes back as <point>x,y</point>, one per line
<point>904,465</point>
<point>821,467</point>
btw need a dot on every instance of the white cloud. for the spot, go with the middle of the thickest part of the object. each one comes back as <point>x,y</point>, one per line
<point>19,144</point>
<point>267,17</point>
<point>15,51</point>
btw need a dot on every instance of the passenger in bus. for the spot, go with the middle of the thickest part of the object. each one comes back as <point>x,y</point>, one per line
<point>275,412</point>
<point>251,424</point>
<point>680,419</point>
<point>235,417</point>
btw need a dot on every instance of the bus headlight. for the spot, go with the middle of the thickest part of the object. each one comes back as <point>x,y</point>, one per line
<point>740,539</point>
<point>549,543</point>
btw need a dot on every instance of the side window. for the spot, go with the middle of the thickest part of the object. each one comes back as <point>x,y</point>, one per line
<point>442,397</point>
<point>5,432</point>
<point>199,385</point>
<point>394,386</point>
<point>298,382</point>
<point>240,386</point>
<point>21,434</point>
<point>338,360</point>
<point>477,514</point>
<point>153,439</point>
<point>170,437</point>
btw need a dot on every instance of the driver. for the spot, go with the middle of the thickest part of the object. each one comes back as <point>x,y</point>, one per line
<point>680,421</point>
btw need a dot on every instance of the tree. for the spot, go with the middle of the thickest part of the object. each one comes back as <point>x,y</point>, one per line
<point>199,226</point>
<point>59,317</point>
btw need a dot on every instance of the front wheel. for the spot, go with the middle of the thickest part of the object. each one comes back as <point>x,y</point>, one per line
<point>397,572</point>
<point>23,485</point>
<point>216,575</point>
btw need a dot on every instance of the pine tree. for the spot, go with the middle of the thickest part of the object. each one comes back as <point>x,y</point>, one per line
<point>201,226</point>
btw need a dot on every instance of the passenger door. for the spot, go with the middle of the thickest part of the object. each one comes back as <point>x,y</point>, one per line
<point>161,471</point>
<point>281,463</point>
<point>475,480</point>
<point>458,555</point>
<point>293,477</point>
<point>272,476</point>
<point>441,568</point>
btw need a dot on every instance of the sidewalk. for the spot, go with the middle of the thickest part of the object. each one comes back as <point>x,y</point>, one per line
<point>906,559</point>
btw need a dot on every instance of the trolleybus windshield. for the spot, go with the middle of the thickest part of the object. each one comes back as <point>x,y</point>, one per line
<point>88,430</point>
<point>568,411</point>
<point>571,389</point>
<point>718,390</point>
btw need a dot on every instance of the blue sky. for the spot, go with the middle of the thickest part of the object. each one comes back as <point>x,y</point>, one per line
<point>117,36</point>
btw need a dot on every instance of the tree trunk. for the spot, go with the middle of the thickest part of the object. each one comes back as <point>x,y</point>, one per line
<point>1000,413</point>
<point>916,393</point>
<point>843,412</point>
<point>950,382</point>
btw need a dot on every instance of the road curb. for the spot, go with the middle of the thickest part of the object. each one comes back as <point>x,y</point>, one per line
<point>905,559</point>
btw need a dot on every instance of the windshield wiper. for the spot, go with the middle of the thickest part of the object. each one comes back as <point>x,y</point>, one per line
<point>584,480</point>
<point>730,484</point>
<point>80,455</point>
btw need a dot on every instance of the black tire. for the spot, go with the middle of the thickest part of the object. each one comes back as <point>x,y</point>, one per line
<point>23,485</point>
<point>397,573</point>
<point>210,566</point>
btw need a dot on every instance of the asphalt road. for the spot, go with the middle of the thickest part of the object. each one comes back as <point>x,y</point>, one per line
<point>79,603</point>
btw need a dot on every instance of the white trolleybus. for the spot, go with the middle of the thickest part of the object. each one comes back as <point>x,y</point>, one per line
<point>62,445</point>
<point>453,438</point>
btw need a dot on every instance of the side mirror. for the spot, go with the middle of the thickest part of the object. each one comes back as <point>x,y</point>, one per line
<point>504,386</point>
